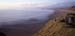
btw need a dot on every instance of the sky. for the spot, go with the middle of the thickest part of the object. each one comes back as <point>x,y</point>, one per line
<point>24,1</point>
<point>6,4</point>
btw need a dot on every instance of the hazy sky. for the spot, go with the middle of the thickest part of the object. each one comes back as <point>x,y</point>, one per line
<point>5,4</point>
<point>25,1</point>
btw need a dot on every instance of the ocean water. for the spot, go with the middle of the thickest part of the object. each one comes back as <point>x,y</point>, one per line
<point>9,18</point>
<point>26,21</point>
<point>14,15</point>
<point>23,22</point>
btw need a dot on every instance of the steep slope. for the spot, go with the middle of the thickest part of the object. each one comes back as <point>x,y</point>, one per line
<point>56,28</point>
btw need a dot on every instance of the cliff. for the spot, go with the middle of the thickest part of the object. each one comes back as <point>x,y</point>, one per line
<point>56,28</point>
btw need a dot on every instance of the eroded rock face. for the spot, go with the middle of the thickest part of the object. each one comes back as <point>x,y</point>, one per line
<point>56,28</point>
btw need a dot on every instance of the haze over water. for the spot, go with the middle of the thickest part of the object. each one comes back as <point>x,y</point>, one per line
<point>25,17</point>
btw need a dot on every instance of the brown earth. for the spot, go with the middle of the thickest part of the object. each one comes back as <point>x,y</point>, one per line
<point>56,28</point>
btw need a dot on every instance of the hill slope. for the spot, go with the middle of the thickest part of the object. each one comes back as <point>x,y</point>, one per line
<point>56,28</point>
